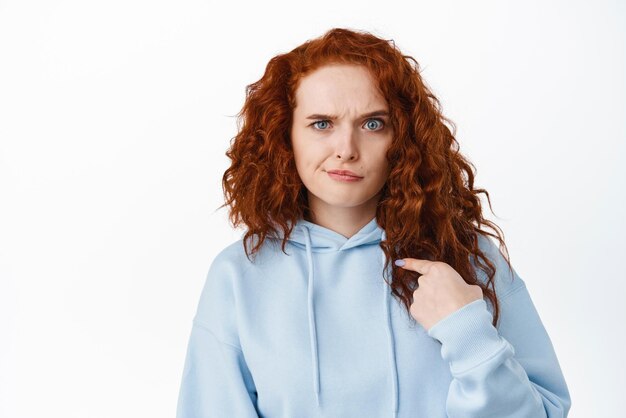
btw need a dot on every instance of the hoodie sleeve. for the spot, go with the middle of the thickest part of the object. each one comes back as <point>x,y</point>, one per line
<point>216,381</point>
<point>511,371</point>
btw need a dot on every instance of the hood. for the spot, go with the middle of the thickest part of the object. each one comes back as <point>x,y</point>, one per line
<point>320,239</point>
<point>312,238</point>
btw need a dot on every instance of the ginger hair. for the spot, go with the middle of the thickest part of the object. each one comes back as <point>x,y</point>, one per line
<point>428,208</point>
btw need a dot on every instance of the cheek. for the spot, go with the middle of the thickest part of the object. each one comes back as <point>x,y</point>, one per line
<point>299,154</point>
<point>383,168</point>
<point>308,157</point>
<point>306,163</point>
<point>381,160</point>
<point>303,148</point>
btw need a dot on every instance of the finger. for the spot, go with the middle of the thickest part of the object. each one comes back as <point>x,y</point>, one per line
<point>421,277</point>
<point>415,264</point>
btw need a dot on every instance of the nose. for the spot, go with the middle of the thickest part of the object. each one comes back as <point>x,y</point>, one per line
<point>346,145</point>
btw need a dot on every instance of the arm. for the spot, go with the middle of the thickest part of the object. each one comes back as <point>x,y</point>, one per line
<point>216,381</point>
<point>511,371</point>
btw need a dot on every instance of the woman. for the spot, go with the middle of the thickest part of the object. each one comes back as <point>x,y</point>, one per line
<point>343,163</point>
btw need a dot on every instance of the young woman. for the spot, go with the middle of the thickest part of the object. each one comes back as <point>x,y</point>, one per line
<point>343,164</point>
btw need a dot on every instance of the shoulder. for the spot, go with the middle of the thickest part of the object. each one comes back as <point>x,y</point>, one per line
<point>219,291</point>
<point>506,279</point>
<point>227,280</point>
<point>232,264</point>
<point>219,297</point>
<point>230,261</point>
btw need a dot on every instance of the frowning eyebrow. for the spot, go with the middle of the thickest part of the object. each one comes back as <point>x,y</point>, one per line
<point>333,117</point>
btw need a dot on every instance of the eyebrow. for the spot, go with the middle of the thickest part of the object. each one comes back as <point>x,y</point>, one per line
<point>366,115</point>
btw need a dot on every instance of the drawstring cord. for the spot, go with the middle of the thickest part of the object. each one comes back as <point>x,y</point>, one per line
<point>392,346</point>
<point>313,333</point>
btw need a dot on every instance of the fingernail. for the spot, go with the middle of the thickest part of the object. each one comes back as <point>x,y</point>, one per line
<point>399,263</point>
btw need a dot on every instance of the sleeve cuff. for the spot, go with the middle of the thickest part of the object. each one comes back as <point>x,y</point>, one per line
<point>467,336</point>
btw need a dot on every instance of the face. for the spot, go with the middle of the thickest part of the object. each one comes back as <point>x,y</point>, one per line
<point>341,122</point>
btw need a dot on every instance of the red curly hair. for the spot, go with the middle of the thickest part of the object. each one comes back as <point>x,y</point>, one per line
<point>428,208</point>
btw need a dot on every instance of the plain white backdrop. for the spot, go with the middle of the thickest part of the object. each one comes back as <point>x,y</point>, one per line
<point>114,120</point>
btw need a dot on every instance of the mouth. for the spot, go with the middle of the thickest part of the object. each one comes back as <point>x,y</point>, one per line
<point>342,176</point>
<point>344,173</point>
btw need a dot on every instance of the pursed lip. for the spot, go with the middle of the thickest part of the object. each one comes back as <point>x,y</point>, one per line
<point>344,173</point>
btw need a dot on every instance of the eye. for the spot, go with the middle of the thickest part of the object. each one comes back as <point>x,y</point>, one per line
<point>369,124</point>
<point>319,122</point>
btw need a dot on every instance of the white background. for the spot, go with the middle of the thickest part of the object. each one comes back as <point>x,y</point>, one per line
<point>114,120</point>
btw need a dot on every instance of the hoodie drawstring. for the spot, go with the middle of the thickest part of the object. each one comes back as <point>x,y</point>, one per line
<point>313,333</point>
<point>312,328</point>
<point>392,346</point>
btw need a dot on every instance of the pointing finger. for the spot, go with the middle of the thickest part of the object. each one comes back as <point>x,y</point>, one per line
<point>415,264</point>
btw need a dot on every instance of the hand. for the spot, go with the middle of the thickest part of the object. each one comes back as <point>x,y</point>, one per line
<point>441,291</point>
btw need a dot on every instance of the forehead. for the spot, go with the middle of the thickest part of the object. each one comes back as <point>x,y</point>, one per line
<point>337,88</point>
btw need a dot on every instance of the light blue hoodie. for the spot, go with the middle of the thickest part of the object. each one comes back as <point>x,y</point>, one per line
<point>317,333</point>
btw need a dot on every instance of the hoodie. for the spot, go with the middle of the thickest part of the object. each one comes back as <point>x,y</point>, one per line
<point>316,332</point>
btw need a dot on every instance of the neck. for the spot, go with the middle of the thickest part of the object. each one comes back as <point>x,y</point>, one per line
<point>346,221</point>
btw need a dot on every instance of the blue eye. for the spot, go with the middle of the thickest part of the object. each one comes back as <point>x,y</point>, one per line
<point>374,124</point>
<point>369,123</point>
<point>319,121</point>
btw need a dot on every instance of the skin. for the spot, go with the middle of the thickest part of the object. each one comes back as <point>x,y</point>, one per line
<point>350,141</point>
<point>347,142</point>
<point>441,291</point>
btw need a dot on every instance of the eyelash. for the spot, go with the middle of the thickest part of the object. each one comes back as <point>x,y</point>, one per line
<point>326,120</point>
